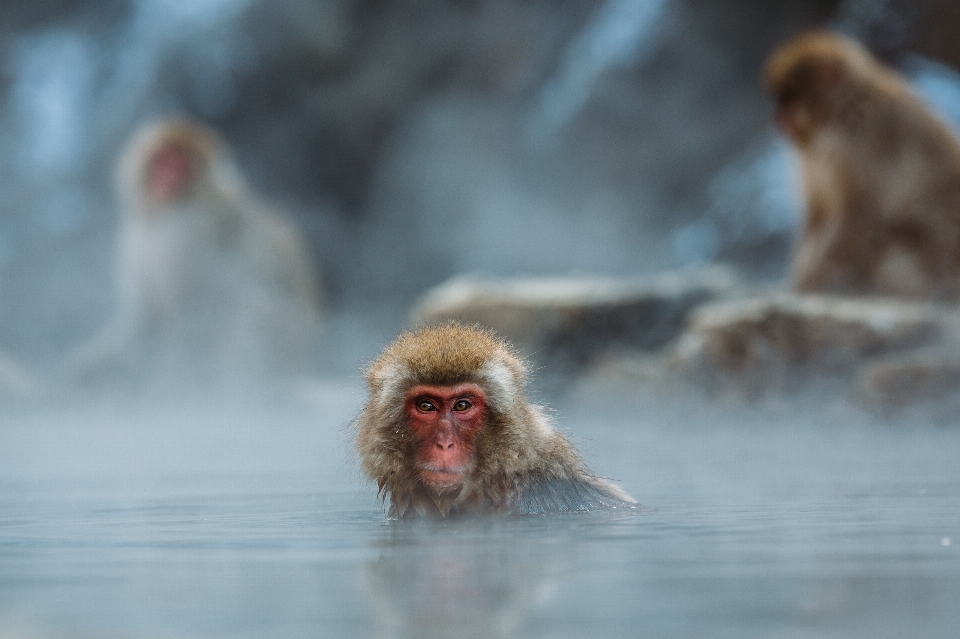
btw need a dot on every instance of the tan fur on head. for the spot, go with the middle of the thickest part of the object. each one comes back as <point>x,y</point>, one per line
<point>815,47</point>
<point>447,355</point>
<point>821,79</point>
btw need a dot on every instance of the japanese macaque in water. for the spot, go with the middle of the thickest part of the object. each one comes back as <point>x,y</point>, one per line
<point>213,286</point>
<point>880,172</point>
<point>448,430</point>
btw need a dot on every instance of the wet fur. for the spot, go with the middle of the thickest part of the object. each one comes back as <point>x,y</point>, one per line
<point>521,465</point>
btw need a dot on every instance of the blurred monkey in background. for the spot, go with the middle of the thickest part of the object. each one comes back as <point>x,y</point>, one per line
<point>880,174</point>
<point>213,286</point>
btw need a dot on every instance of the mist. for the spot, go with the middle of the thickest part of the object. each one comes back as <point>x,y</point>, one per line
<point>409,143</point>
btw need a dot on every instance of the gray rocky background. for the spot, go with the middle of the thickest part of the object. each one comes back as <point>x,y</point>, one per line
<point>417,140</point>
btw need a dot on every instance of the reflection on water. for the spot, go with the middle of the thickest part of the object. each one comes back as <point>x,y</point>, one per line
<point>239,523</point>
<point>470,578</point>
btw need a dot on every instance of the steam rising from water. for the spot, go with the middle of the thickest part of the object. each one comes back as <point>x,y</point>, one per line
<point>172,521</point>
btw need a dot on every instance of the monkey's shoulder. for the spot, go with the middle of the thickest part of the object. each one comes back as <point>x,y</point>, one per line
<point>578,493</point>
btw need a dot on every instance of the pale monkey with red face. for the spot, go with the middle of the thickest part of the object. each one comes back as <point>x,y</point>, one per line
<point>213,285</point>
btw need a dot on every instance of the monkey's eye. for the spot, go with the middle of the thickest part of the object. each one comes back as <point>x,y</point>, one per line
<point>462,405</point>
<point>425,406</point>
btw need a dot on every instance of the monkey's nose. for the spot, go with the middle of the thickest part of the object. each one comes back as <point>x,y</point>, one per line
<point>445,440</point>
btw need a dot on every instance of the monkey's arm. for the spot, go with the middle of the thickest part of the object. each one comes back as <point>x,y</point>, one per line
<point>107,348</point>
<point>813,268</point>
<point>288,260</point>
<point>103,351</point>
<point>841,217</point>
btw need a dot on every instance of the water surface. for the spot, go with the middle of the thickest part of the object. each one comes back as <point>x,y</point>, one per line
<point>223,522</point>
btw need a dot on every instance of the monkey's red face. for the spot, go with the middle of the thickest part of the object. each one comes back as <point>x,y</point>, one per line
<point>445,420</point>
<point>170,173</point>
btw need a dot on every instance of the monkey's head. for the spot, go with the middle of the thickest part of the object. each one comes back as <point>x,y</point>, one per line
<point>812,79</point>
<point>168,163</point>
<point>439,400</point>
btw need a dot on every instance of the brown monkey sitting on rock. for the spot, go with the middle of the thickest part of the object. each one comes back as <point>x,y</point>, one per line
<point>880,173</point>
<point>448,430</point>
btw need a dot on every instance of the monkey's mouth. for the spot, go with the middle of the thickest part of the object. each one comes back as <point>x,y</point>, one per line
<point>437,476</point>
